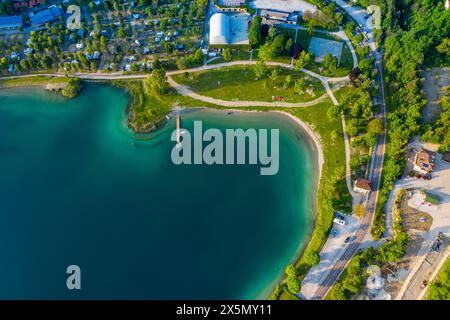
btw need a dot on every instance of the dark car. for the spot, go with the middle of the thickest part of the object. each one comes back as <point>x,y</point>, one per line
<point>347,240</point>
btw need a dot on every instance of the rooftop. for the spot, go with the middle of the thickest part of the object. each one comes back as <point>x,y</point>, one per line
<point>10,20</point>
<point>364,184</point>
<point>425,159</point>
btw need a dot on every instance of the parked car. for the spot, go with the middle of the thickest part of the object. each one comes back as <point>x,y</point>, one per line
<point>347,240</point>
<point>333,233</point>
<point>339,221</point>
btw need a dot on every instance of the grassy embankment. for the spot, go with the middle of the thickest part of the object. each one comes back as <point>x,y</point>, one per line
<point>147,112</point>
<point>68,87</point>
<point>239,83</point>
<point>440,288</point>
<point>38,81</point>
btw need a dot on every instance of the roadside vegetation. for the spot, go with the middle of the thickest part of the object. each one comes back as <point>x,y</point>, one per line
<point>414,32</point>
<point>440,288</point>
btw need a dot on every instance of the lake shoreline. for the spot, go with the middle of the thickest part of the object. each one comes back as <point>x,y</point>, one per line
<point>314,138</point>
<point>318,155</point>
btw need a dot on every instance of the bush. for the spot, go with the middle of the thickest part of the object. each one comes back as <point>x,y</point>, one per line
<point>73,88</point>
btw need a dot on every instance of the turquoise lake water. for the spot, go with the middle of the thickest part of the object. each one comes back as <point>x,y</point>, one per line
<point>77,187</point>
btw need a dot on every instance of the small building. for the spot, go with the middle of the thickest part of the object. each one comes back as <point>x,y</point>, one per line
<point>28,51</point>
<point>279,16</point>
<point>11,23</point>
<point>232,3</point>
<point>424,161</point>
<point>429,198</point>
<point>446,155</point>
<point>14,56</point>
<point>363,186</point>
<point>97,55</point>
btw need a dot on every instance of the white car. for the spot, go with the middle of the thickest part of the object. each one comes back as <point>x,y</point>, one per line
<point>339,221</point>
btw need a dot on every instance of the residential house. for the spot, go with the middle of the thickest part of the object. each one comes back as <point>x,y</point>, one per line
<point>363,186</point>
<point>424,161</point>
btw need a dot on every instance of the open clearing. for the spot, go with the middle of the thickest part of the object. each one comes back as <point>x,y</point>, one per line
<point>434,82</point>
<point>239,83</point>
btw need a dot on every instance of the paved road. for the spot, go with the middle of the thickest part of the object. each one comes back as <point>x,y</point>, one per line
<point>375,177</point>
<point>427,271</point>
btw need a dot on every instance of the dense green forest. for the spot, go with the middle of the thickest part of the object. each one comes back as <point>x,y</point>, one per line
<point>415,33</point>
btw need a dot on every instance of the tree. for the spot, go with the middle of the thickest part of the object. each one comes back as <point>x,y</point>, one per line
<point>274,74</point>
<point>289,45</point>
<point>376,126</point>
<point>290,271</point>
<point>254,32</point>
<point>103,43</point>
<point>293,285</point>
<point>272,32</point>
<point>360,210</point>
<point>299,85</point>
<point>260,69</point>
<point>287,81</point>
<point>266,52</point>
<point>334,112</point>
<point>181,63</point>
<point>330,62</point>
<point>226,54</point>
<point>303,60</point>
<point>73,88</point>
<point>444,47</point>
<point>354,76</point>
<point>157,83</point>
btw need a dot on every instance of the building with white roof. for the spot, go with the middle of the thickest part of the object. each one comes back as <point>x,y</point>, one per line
<point>225,29</point>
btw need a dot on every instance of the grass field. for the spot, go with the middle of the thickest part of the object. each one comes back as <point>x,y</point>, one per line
<point>440,287</point>
<point>239,83</point>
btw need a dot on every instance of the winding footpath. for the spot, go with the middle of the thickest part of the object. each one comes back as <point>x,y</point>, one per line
<point>185,90</point>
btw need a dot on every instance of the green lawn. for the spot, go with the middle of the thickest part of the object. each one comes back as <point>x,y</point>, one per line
<point>27,82</point>
<point>440,287</point>
<point>239,83</point>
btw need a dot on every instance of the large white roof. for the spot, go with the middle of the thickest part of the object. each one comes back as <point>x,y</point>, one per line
<point>219,29</point>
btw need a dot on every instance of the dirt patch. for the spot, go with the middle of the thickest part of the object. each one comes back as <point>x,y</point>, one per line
<point>413,219</point>
<point>434,82</point>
